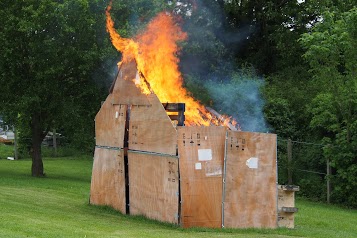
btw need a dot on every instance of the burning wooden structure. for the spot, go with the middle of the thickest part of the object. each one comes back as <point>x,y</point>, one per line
<point>144,164</point>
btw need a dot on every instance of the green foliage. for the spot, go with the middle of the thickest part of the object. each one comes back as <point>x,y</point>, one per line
<point>324,114</point>
<point>204,52</point>
<point>315,101</point>
<point>312,186</point>
<point>342,154</point>
<point>280,116</point>
<point>269,31</point>
<point>131,16</point>
<point>49,52</point>
<point>286,98</point>
<point>331,53</point>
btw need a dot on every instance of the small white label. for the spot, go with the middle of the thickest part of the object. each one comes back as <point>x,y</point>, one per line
<point>198,166</point>
<point>204,154</point>
<point>213,170</point>
<point>116,114</point>
<point>252,163</point>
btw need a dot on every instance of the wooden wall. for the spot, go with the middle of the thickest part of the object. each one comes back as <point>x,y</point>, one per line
<point>110,124</point>
<point>154,186</point>
<point>151,129</point>
<point>108,179</point>
<point>250,183</point>
<point>201,152</point>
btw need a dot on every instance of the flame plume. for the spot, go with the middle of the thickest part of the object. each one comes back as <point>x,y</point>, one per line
<point>155,53</point>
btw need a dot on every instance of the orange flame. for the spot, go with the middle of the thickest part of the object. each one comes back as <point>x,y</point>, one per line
<point>155,53</point>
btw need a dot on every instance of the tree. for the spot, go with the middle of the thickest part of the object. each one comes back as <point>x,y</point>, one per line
<point>131,16</point>
<point>331,52</point>
<point>203,54</point>
<point>48,50</point>
<point>268,31</point>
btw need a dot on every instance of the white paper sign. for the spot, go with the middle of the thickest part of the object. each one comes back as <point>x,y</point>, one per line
<point>252,163</point>
<point>198,166</point>
<point>204,154</point>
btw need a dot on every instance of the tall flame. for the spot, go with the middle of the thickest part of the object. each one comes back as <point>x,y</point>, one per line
<point>155,53</point>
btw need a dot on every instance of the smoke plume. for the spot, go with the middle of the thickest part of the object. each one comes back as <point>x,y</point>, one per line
<point>207,60</point>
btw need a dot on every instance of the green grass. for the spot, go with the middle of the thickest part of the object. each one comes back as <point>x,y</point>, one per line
<point>57,206</point>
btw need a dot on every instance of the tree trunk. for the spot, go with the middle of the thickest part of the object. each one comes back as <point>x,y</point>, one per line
<point>36,140</point>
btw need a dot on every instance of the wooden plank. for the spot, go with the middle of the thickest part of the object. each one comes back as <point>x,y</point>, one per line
<point>124,89</point>
<point>288,209</point>
<point>250,184</point>
<point>150,128</point>
<point>110,124</point>
<point>201,152</point>
<point>289,187</point>
<point>108,179</point>
<point>286,199</point>
<point>154,186</point>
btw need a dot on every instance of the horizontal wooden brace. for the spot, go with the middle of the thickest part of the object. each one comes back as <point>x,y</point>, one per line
<point>174,107</point>
<point>288,209</point>
<point>292,188</point>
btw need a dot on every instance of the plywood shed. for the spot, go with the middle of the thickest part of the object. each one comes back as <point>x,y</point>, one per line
<point>192,176</point>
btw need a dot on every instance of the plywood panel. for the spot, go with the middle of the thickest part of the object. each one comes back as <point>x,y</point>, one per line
<point>108,179</point>
<point>201,152</point>
<point>250,185</point>
<point>110,124</point>
<point>154,186</point>
<point>124,89</point>
<point>150,128</point>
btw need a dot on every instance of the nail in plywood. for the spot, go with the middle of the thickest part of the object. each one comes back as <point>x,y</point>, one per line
<point>286,205</point>
<point>110,124</point>
<point>154,186</point>
<point>151,129</point>
<point>250,184</point>
<point>108,179</point>
<point>201,152</point>
<point>124,89</point>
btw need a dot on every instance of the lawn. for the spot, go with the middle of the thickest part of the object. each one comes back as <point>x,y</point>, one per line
<point>57,206</point>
